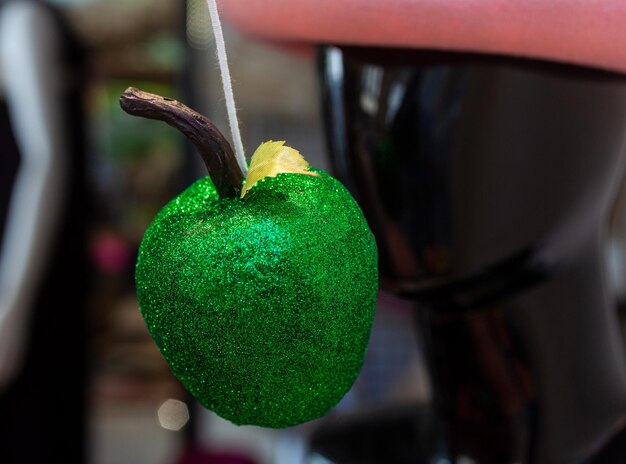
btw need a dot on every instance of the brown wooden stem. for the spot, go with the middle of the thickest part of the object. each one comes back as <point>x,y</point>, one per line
<point>216,152</point>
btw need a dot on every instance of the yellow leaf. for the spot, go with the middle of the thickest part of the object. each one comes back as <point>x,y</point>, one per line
<point>272,158</point>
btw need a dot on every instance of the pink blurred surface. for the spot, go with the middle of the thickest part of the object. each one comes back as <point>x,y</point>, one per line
<point>202,456</point>
<point>586,32</point>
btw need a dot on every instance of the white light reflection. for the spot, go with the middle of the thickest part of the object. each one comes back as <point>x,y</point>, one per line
<point>173,414</point>
<point>372,80</point>
<point>315,458</point>
<point>335,65</point>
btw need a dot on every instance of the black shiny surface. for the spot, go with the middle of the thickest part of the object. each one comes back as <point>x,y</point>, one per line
<point>487,182</point>
<point>485,391</point>
<point>472,170</point>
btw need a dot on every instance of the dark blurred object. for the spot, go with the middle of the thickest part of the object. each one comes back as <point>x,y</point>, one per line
<point>394,435</point>
<point>488,183</point>
<point>42,409</point>
<point>10,161</point>
<point>613,451</point>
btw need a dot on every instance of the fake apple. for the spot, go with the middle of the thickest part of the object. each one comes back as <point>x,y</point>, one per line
<point>262,303</point>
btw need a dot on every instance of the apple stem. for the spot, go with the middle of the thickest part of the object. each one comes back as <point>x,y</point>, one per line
<point>216,152</point>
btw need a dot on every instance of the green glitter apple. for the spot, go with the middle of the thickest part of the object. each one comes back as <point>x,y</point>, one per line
<point>262,302</point>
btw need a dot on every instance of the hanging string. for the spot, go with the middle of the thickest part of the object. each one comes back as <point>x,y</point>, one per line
<point>228,87</point>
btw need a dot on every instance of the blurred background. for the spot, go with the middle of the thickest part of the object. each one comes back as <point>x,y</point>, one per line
<point>106,395</point>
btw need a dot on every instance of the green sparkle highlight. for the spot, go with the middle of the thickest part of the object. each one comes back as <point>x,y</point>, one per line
<point>262,306</point>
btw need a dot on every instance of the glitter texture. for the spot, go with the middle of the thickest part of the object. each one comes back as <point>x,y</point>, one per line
<point>262,306</point>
